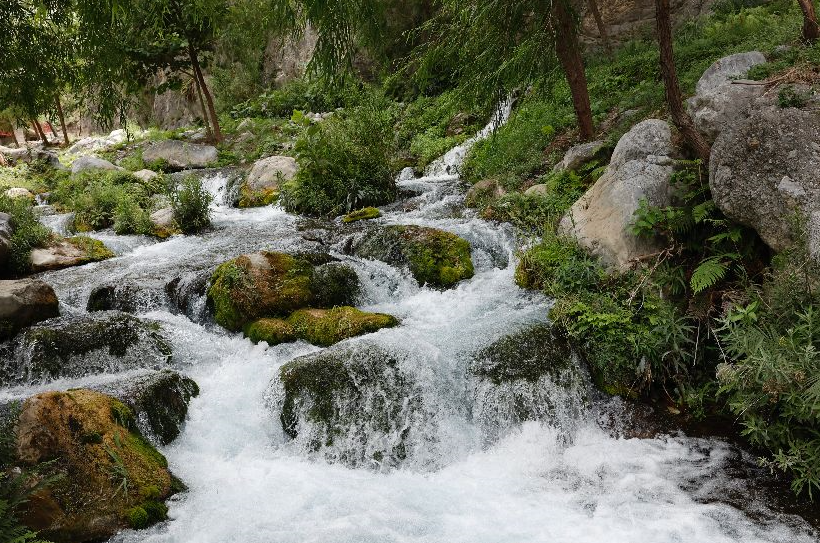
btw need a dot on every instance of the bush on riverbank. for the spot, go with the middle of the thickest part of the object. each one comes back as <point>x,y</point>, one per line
<point>191,204</point>
<point>27,234</point>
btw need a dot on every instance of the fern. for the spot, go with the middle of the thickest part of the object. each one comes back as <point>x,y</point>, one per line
<point>708,274</point>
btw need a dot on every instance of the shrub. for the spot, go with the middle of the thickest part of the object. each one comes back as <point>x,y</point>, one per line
<point>130,218</point>
<point>28,234</point>
<point>191,204</point>
<point>344,162</point>
<point>298,95</point>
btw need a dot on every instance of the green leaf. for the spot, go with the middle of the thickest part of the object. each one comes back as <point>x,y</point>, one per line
<point>708,274</point>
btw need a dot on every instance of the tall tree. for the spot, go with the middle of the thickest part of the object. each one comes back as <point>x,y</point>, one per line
<point>674,98</point>
<point>599,22</point>
<point>811,30</point>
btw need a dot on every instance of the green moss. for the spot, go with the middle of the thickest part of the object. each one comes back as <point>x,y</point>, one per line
<point>137,518</point>
<point>325,327</point>
<point>227,282</point>
<point>527,355</point>
<point>260,198</point>
<point>271,331</point>
<point>363,214</point>
<point>438,258</point>
<point>157,511</point>
<point>93,248</point>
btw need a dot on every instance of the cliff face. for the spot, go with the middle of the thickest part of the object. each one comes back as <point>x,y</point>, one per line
<point>626,18</point>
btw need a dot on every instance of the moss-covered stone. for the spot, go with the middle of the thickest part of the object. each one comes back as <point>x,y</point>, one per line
<point>528,354</point>
<point>436,258</point>
<point>257,198</point>
<point>325,327</point>
<point>94,249</point>
<point>103,482</point>
<point>271,331</point>
<point>271,284</point>
<point>364,214</point>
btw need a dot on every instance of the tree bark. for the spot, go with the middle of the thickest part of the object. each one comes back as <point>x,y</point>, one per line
<point>674,98</point>
<point>811,30</point>
<point>39,130</point>
<point>202,106</point>
<point>599,22</point>
<point>568,50</point>
<point>217,131</point>
<point>66,142</point>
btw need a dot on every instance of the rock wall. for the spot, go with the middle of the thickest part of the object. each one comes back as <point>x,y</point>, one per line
<point>626,18</point>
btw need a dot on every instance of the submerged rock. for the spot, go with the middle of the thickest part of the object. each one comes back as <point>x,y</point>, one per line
<point>180,155</point>
<point>435,257</point>
<point>84,345</point>
<point>641,169</point>
<point>125,295</point>
<point>354,404</point>
<point>159,401</point>
<point>325,327</point>
<point>270,284</point>
<point>763,173</point>
<point>528,375</point>
<point>110,477</point>
<point>25,302</point>
<point>70,252</point>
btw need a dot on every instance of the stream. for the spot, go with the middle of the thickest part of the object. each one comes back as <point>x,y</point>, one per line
<point>471,474</point>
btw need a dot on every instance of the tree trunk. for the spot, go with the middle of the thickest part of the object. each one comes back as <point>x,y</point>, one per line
<point>674,99</point>
<point>39,130</point>
<point>568,50</point>
<point>599,22</point>
<point>811,30</point>
<point>204,112</point>
<point>62,122</point>
<point>198,73</point>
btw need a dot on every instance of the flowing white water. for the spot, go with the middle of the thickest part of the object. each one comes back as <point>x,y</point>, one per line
<point>558,480</point>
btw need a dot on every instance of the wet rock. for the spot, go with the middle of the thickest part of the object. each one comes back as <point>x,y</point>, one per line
<point>88,163</point>
<point>188,292</point>
<point>265,180</point>
<point>270,284</point>
<point>763,173</point>
<point>107,469</point>
<point>640,169</point>
<point>70,252</point>
<point>483,192</point>
<point>159,401</point>
<point>527,375</point>
<point>77,346</point>
<point>325,327</point>
<point>180,155</point>
<point>364,214</point>
<point>579,155</point>
<point>721,99</point>
<point>271,331</point>
<point>435,257</point>
<point>19,192</point>
<point>5,239</point>
<point>25,302</point>
<point>353,403</point>
<point>126,296</point>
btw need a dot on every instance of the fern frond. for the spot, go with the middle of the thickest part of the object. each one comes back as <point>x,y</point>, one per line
<point>708,274</point>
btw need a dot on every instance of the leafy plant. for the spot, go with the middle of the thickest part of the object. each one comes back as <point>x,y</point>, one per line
<point>191,204</point>
<point>788,97</point>
<point>27,234</point>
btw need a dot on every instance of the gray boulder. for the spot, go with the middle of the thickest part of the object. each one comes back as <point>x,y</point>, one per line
<point>19,192</point>
<point>640,169</point>
<point>30,154</point>
<point>579,155</point>
<point>269,173</point>
<point>181,155</point>
<point>763,173</point>
<point>24,302</point>
<point>722,98</point>
<point>91,162</point>
<point>5,239</point>
<point>146,175</point>
<point>483,192</point>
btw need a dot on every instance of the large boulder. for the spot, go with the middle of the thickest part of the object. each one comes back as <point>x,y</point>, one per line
<point>107,476</point>
<point>181,155</point>
<point>19,192</point>
<point>763,173</point>
<point>354,403</point>
<point>527,375</point>
<point>25,302</point>
<point>78,346</point>
<point>579,155</point>
<point>98,143</point>
<point>69,252</point>
<point>325,327</point>
<point>5,238</point>
<point>265,180</point>
<point>272,284</point>
<point>164,223</point>
<point>436,258</point>
<point>158,399</point>
<point>722,98</point>
<point>89,163</point>
<point>29,155</point>
<point>640,169</point>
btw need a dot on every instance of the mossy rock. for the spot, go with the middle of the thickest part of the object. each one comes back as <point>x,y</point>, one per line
<point>325,327</point>
<point>271,331</point>
<point>364,214</point>
<point>94,249</point>
<point>107,469</point>
<point>527,354</point>
<point>256,198</point>
<point>271,284</point>
<point>436,258</point>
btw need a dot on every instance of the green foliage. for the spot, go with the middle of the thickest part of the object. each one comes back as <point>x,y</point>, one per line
<point>191,204</point>
<point>28,234</point>
<point>364,214</point>
<point>16,488</point>
<point>299,95</point>
<point>788,96</point>
<point>344,162</point>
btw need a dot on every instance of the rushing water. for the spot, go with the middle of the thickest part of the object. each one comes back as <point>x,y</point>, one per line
<point>565,478</point>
